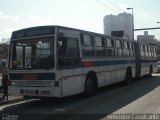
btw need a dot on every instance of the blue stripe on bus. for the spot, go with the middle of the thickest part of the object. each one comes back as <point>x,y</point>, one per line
<point>145,61</point>
<point>46,76</point>
<point>15,76</point>
<point>107,62</point>
<point>39,76</point>
<point>112,62</point>
<point>51,76</point>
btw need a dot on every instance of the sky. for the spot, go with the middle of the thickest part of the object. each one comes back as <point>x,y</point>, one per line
<point>82,14</point>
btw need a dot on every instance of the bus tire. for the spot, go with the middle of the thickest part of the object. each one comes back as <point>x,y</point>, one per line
<point>128,77</point>
<point>150,71</point>
<point>89,88</point>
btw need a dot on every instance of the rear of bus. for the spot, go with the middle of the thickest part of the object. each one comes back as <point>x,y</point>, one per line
<point>32,62</point>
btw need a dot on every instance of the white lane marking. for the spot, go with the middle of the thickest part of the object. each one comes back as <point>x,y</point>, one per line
<point>61,110</point>
<point>11,104</point>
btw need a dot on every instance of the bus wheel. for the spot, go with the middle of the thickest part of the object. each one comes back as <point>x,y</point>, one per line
<point>128,77</point>
<point>150,71</point>
<point>89,87</point>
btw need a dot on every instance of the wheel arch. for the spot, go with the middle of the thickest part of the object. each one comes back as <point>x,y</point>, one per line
<point>93,75</point>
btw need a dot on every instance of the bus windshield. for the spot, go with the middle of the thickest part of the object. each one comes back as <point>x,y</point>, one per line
<point>36,53</point>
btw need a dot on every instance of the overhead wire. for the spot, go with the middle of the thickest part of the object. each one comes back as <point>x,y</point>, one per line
<point>137,22</point>
<point>107,6</point>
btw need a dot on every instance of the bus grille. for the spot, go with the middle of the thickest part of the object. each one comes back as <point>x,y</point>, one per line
<point>30,92</point>
<point>32,83</point>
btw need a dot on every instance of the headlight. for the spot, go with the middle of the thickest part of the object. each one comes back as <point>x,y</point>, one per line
<point>52,84</point>
<point>13,83</point>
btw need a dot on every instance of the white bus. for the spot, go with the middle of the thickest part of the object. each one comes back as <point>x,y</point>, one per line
<point>56,61</point>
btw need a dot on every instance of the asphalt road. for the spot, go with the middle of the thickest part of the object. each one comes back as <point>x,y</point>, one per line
<point>142,96</point>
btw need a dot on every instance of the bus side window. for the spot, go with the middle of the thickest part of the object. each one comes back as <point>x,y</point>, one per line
<point>142,50</point>
<point>149,50</point>
<point>87,46</point>
<point>99,46</point>
<point>154,52</point>
<point>62,46</point>
<point>118,48</point>
<point>131,49</point>
<point>146,51</point>
<point>109,47</point>
<point>125,48</point>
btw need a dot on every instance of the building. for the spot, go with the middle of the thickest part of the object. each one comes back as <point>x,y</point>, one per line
<point>120,22</point>
<point>146,38</point>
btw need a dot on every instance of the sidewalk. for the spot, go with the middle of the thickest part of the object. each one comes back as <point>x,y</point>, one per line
<point>11,99</point>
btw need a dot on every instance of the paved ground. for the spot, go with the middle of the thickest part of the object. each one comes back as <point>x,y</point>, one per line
<point>10,99</point>
<point>140,97</point>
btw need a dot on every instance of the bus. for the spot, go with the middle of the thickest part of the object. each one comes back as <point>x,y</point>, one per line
<point>57,61</point>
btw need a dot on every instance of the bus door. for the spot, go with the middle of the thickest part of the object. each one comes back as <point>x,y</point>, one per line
<point>68,62</point>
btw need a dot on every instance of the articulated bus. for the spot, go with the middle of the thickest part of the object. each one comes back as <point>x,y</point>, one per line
<point>56,61</point>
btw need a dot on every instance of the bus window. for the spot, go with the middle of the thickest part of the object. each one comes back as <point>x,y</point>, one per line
<point>109,47</point>
<point>118,48</point>
<point>125,49</point>
<point>87,40</point>
<point>87,46</point>
<point>32,54</point>
<point>149,51</point>
<point>28,55</point>
<point>19,56</point>
<point>99,46</point>
<point>146,51</point>
<point>68,52</point>
<point>142,50</point>
<point>131,50</point>
<point>154,52</point>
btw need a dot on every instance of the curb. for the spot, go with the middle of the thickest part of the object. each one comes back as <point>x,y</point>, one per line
<point>3,102</point>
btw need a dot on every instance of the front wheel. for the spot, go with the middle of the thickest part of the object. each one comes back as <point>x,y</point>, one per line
<point>128,77</point>
<point>150,72</point>
<point>89,87</point>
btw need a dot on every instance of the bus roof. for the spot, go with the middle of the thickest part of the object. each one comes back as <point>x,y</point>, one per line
<point>47,30</point>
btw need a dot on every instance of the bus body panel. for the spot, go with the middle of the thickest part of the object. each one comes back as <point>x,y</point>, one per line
<point>72,68</point>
